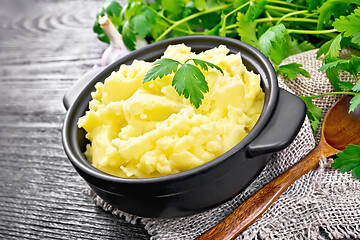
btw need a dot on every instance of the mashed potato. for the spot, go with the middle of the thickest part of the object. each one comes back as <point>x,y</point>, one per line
<point>147,130</point>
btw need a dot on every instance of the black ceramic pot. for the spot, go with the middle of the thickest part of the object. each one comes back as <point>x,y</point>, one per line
<point>205,186</point>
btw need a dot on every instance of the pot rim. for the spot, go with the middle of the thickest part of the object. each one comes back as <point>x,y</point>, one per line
<point>77,158</point>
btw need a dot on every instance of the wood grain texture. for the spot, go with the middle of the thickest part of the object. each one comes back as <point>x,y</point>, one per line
<point>45,46</point>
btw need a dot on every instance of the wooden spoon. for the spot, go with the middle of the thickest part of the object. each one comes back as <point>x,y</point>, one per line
<point>338,131</point>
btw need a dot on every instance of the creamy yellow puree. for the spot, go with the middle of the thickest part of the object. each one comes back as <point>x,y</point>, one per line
<point>147,130</point>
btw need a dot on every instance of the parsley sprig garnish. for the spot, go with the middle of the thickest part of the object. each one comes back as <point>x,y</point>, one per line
<point>348,160</point>
<point>188,80</point>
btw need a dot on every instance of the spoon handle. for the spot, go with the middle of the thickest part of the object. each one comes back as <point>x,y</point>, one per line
<point>257,204</point>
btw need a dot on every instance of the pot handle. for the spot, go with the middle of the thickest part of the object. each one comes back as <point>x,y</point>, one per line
<point>79,85</point>
<point>284,125</point>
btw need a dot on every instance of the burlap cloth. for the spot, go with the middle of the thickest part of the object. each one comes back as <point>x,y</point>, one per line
<point>322,199</point>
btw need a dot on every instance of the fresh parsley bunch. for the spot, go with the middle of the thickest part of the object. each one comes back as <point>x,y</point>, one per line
<point>278,28</point>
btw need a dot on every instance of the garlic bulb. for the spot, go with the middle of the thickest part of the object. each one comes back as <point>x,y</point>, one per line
<point>117,48</point>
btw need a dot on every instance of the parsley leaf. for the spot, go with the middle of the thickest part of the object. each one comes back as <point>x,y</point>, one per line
<point>333,74</point>
<point>173,6</point>
<point>200,5</point>
<point>356,88</point>
<point>158,26</point>
<point>256,7</point>
<point>238,3</point>
<point>205,4</point>
<point>352,65</point>
<point>287,47</point>
<point>335,47</point>
<point>314,113</point>
<point>331,6</point>
<point>313,4</point>
<point>349,25</point>
<point>246,29</point>
<point>133,9</point>
<point>274,34</point>
<point>291,70</point>
<point>324,49</point>
<point>129,35</point>
<point>349,159</point>
<point>355,101</point>
<point>141,26</point>
<point>346,85</point>
<point>161,68</point>
<point>204,64</point>
<point>333,65</point>
<point>331,48</point>
<point>190,82</point>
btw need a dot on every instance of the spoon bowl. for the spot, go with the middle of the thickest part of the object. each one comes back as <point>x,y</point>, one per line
<point>340,129</point>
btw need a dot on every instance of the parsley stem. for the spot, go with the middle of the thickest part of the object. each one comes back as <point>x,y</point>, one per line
<point>195,15</point>
<point>268,14</point>
<point>290,19</point>
<point>237,9</point>
<point>287,4</point>
<point>230,31</point>
<point>276,13</point>
<point>223,19</point>
<point>190,32</point>
<point>231,26</point>
<point>271,19</point>
<point>311,31</point>
<point>333,93</point>
<point>291,14</point>
<point>160,14</point>
<point>280,9</point>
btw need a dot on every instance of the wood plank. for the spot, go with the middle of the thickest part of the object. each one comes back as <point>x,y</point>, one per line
<point>43,51</point>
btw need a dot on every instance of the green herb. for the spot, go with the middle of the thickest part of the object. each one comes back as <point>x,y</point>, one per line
<point>291,70</point>
<point>274,34</point>
<point>349,159</point>
<point>188,80</point>
<point>353,67</point>
<point>161,68</point>
<point>278,28</point>
<point>349,26</point>
<point>355,101</point>
<point>246,29</point>
<point>314,112</point>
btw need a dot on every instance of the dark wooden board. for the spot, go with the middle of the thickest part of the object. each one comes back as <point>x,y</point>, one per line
<point>45,46</point>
